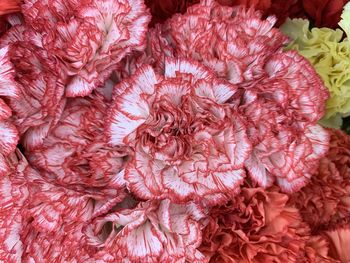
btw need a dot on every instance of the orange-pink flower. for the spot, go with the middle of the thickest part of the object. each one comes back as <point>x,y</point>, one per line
<point>256,226</point>
<point>9,6</point>
<point>326,199</point>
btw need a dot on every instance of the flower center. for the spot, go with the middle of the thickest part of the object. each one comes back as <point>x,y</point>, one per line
<point>169,133</point>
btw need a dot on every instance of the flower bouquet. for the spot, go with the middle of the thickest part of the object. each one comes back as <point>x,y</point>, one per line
<point>169,131</point>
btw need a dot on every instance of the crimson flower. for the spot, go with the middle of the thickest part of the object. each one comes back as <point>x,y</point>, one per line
<point>189,143</point>
<point>322,13</point>
<point>162,10</point>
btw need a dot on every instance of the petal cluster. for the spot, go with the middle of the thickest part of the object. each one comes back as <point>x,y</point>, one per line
<point>192,139</point>
<point>329,54</point>
<point>14,194</point>
<point>76,151</point>
<point>8,89</point>
<point>152,232</point>
<point>323,13</point>
<point>257,226</point>
<point>279,93</point>
<point>189,143</point>
<point>88,37</point>
<point>67,49</point>
<point>325,201</point>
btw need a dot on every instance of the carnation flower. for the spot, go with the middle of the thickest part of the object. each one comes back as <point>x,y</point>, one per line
<point>330,56</point>
<point>279,92</point>
<point>322,13</point>
<point>154,231</point>
<point>88,37</point>
<point>8,89</point>
<point>76,151</point>
<point>42,220</point>
<point>233,41</point>
<point>283,110</point>
<point>52,205</point>
<point>326,199</point>
<point>41,89</point>
<point>256,226</point>
<point>189,143</point>
<point>54,59</point>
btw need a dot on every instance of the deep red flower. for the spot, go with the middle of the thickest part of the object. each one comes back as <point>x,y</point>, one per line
<point>256,226</point>
<point>164,9</point>
<point>326,199</point>
<point>322,13</point>
<point>189,143</point>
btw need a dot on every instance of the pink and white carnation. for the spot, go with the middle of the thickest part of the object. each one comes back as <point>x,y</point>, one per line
<point>88,37</point>
<point>53,219</point>
<point>67,48</point>
<point>8,89</point>
<point>154,231</point>
<point>189,142</point>
<point>13,200</point>
<point>40,83</point>
<point>282,111</point>
<point>280,93</point>
<point>76,151</point>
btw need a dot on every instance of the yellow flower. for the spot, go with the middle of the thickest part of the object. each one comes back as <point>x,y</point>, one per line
<point>330,56</point>
<point>345,19</point>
